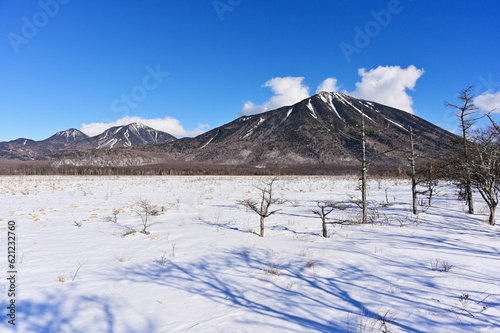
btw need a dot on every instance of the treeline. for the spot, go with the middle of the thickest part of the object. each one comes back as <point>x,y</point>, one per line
<point>192,169</point>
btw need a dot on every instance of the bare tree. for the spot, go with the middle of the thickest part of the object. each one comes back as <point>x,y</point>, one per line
<point>495,125</point>
<point>325,208</point>
<point>364,171</point>
<point>115,214</point>
<point>428,177</point>
<point>73,277</point>
<point>485,175</point>
<point>145,210</point>
<point>365,163</point>
<point>423,176</point>
<point>411,158</point>
<point>262,208</point>
<point>466,114</point>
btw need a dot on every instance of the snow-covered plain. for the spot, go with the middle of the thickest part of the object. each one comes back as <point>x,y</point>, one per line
<point>203,268</point>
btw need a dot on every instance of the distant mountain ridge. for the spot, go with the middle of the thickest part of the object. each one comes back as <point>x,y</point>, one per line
<point>313,131</point>
<point>72,139</point>
<point>319,130</point>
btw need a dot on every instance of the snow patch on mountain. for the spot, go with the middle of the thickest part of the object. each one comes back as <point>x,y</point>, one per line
<point>310,107</point>
<point>395,123</point>
<point>288,114</point>
<point>250,132</point>
<point>327,98</point>
<point>127,137</point>
<point>208,142</point>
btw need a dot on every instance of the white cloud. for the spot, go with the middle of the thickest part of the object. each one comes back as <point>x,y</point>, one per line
<point>387,85</point>
<point>287,91</point>
<point>488,102</point>
<point>329,85</point>
<point>167,124</point>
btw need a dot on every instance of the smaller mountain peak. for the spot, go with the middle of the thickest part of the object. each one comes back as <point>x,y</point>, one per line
<point>130,126</point>
<point>68,135</point>
<point>70,132</point>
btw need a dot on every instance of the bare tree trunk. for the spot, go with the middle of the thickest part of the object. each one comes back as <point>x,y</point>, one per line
<point>431,184</point>
<point>325,233</point>
<point>364,171</point>
<point>491,219</point>
<point>413,180</point>
<point>469,197</point>
<point>262,226</point>
<point>468,182</point>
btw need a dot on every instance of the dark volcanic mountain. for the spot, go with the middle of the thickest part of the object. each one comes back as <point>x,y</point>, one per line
<point>65,138</point>
<point>26,149</point>
<point>121,136</point>
<point>19,149</point>
<point>319,130</point>
<point>133,134</point>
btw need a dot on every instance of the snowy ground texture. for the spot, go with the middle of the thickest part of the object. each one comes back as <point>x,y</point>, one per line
<point>203,268</point>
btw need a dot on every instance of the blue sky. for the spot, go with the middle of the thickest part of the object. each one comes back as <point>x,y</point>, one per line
<point>189,66</point>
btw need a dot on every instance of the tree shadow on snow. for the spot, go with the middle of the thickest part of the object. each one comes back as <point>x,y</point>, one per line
<point>63,313</point>
<point>239,280</point>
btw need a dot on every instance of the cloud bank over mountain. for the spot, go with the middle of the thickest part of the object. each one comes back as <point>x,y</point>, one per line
<point>387,85</point>
<point>167,124</point>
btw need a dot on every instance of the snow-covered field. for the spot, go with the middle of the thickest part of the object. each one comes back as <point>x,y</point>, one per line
<point>202,268</point>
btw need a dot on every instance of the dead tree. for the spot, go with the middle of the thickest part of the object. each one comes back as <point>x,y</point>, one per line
<point>485,173</point>
<point>145,210</point>
<point>422,176</point>
<point>262,208</point>
<point>428,177</point>
<point>365,163</point>
<point>431,183</point>
<point>466,115</point>
<point>325,208</point>
<point>411,158</point>
<point>495,125</point>
<point>364,171</point>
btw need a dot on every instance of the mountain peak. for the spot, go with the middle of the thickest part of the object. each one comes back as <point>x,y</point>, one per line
<point>137,125</point>
<point>131,126</point>
<point>67,136</point>
<point>327,93</point>
<point>129,135</point>
<point>335,95</point>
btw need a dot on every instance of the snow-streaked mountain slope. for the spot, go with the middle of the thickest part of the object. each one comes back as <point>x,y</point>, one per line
<point>317,130</point>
